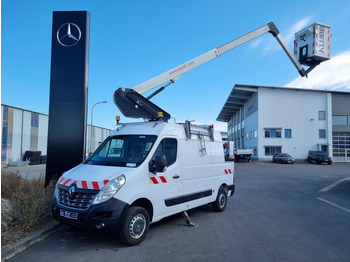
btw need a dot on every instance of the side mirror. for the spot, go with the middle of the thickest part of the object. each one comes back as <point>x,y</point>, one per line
<point>158,165</point>
<point>152,166</point>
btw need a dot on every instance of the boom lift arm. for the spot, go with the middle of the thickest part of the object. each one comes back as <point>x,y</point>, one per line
<point>173,74</point>
<point>132,104</point>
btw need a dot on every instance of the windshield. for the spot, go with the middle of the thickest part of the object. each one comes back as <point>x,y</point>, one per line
<point>126,150</point>
<point>285,155</point>
<point>320,153</point>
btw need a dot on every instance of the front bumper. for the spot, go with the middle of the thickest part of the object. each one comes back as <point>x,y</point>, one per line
<point>288,161</point>
<point>324,160</point>
<point>106,215</point>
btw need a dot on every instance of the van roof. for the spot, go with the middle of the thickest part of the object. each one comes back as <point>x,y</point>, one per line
<point>157,128</point>
<point>149,128</point>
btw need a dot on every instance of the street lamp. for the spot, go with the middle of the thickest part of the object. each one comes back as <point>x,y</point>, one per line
<point>91,129</point>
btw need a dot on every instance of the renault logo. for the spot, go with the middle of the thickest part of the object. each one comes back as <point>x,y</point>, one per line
<point>71,191</point>
<point>68,34</point>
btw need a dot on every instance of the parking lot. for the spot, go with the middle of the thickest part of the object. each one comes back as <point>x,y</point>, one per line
<point>277,214</point>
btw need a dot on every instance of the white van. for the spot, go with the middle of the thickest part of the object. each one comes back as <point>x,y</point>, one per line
<point>142,173</point>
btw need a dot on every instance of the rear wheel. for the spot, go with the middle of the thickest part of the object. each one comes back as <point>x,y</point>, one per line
<point>135,226</point>
<point>220,203</point>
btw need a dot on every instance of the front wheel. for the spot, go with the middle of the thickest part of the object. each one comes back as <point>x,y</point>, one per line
<point>135,226</point>
<point>220,203</point>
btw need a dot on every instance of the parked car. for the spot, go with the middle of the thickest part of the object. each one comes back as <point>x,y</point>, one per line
<point>319,157</point>
<point>283,158</point>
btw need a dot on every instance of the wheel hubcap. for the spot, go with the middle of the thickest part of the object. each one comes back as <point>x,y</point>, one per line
<point>137,226</point>
<point>222,200</point>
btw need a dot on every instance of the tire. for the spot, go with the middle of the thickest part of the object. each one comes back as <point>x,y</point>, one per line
<point>135,226</point>
<point>220,203</point>
<point>329,163</point>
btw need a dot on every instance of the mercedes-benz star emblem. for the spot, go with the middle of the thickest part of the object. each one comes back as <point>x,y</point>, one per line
<point>71,191</point>
<point>68,34</point>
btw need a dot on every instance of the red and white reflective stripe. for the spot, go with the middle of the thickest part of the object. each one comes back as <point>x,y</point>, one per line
<point>83,184</point>
<point>228,171</point>
<point>59,182</point>
<point>66,183</point>
<point>158,180</point>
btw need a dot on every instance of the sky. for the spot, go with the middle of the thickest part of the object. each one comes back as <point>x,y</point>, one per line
<point>134,41</point>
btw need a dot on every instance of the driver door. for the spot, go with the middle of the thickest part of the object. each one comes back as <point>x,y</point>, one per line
<point>165,187</point>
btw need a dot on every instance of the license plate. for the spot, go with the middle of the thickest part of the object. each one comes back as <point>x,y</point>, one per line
<point>69,215</point>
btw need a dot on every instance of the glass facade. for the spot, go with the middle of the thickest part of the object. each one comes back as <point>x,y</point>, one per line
<point>24,130</point>
<point>341,146</point>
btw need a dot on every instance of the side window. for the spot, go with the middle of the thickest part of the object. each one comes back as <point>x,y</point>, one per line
<point>168,148</point>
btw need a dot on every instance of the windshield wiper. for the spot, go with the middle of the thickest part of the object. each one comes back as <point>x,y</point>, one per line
<point>114,163</point>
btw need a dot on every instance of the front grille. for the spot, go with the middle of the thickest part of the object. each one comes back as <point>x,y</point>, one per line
<point>80,201</point>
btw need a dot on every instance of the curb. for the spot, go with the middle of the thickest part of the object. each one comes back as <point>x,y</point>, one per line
<point>26,242</point>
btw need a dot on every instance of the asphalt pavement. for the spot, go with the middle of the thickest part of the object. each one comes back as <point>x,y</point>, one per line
<point>275,215</point>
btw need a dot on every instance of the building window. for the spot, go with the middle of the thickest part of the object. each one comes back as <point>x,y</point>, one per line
<point>34,131</point>
<point>255,133</point>
<point>322,133</point>
<point>4,134</point>
<point>321,115</point>
<point>271,150</point>
<point>340,120</point>
<point>288,133</point>
<point>273,132</point>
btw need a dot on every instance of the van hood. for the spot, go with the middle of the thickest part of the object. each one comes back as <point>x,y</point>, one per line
<point>91,176</point>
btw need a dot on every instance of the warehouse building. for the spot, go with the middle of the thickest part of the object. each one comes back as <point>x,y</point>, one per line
<point>288,120</point>
<point>24,130</point>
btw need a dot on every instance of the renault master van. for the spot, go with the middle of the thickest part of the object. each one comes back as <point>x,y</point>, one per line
<point>142,173</point>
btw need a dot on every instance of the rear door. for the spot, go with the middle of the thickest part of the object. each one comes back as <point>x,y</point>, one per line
<point>165,187</point>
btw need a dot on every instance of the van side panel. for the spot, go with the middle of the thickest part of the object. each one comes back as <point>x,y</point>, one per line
<point>203,174</point>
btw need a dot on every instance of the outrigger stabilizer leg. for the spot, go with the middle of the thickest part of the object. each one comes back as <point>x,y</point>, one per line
<point>188,220</point>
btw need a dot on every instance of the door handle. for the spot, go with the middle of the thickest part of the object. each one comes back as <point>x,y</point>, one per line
<point>176,176</point>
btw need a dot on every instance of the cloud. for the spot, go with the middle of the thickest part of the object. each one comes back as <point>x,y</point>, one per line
<point>301,24</point>
<point>219,126</point>
<point>256,42</point>
<point>271,45</point>
<point>332,74</point>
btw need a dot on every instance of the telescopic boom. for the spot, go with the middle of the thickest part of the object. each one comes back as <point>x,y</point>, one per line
<point>173,74</point>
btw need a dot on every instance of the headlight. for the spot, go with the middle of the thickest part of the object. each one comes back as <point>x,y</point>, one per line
<point>109,190</point>
<point>56,192</point>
